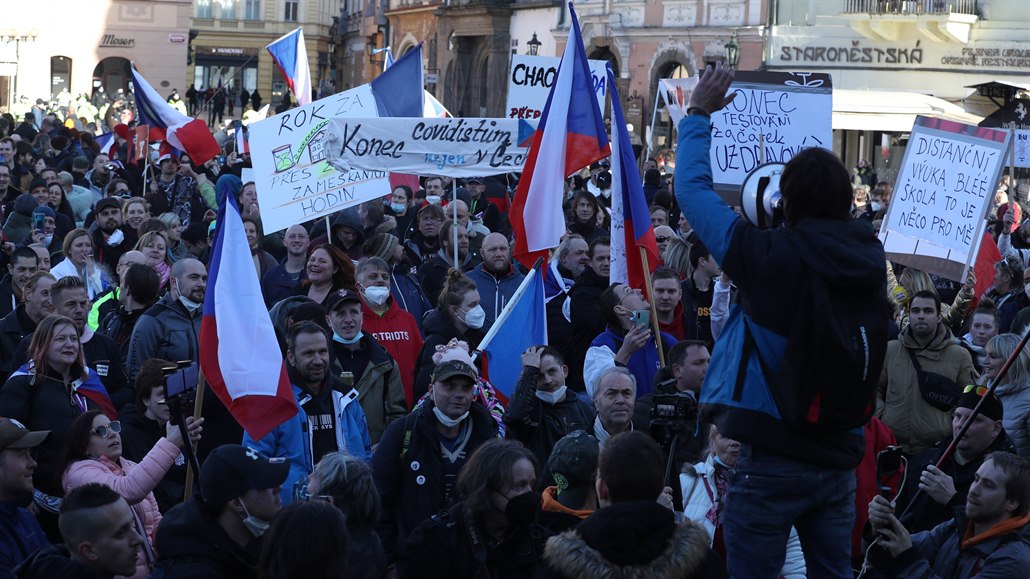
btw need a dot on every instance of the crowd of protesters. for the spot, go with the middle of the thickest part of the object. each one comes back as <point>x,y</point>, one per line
<point>403,460</point>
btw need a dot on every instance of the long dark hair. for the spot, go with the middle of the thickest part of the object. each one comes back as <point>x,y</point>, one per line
<point>76,444</point>
<point>488,470</point>
<point>300,530</point>
<point>344,276</point>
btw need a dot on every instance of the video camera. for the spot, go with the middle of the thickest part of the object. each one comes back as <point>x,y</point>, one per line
<point>180,387</point>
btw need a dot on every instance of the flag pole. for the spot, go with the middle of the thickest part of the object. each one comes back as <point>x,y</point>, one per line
<point>198,406</point>
<point>454,229</point>
<point>506,312</point>
<point>655,327</point>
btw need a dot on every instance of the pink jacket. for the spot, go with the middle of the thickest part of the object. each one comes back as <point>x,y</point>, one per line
<point>134,482</point>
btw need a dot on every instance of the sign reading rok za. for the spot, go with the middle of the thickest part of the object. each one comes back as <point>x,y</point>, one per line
<point>530,82</point>
<point>295,182</point>
<point>462,147</point>
<point>943,191</point>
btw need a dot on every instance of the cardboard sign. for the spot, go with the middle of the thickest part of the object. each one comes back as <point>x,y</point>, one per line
<point>295,183</point>
<point>675,93</point>
<point>1022,148</point>
<point>773,117</point>
<point>944,188</point>
<point>462,147</point>
<point>530,80</point>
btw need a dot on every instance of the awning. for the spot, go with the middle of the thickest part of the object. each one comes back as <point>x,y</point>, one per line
<point>872,110</point>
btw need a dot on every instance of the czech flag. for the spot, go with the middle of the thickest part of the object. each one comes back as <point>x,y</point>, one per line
<point>521,325</point>
<point>242,144</point>
<point>182,132</point>
<point>631,223</point>
<point>570,136</point>
<point>91,388</point>
<point>398,89</point>
<point>239,354</point>
<point>291,56</point>
<point>108,143</point>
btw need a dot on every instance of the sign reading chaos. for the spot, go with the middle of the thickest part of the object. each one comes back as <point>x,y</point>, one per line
<point>944,188</point>
<point>773,117</point>
<point>295,182</point>
<point>530,82</point>
<point>461,147</point>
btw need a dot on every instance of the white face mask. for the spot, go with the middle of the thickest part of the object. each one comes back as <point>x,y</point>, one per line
<point>1026,290</point>
<point>116,238</point>
<point>475,318</point>
<point>357,338</point>
<point>433,199</point>
<point>875,206</point>
<point>376,294</point>
<point>552,398</point>
<point>256,526</point>
<point>447,421</point>
<point>191,306</point>
<point>48,239</point>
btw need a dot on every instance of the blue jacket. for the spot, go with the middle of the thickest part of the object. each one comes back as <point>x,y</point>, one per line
<point>494,293</point>
<point>276,284</point>
<point>20,536</point>
<point>406,289</point>
<point>643,364</point>
<point>768,267</point>
<point>292,439</point>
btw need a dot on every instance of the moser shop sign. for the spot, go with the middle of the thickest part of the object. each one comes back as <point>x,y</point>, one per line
<point>112,41</point>
<point>807,51</point>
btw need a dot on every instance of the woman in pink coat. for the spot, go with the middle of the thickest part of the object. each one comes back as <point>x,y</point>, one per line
<point>93,454</point>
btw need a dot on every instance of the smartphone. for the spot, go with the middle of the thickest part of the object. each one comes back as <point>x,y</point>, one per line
<point>888,461</point>
<point>641,319</point>
<point>39,222</point>
<point>220,159</point>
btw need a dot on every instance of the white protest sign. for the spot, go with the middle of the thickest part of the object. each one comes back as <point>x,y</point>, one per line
<point>456,147</point>
<point>295,183</point>
<point>1022,148</point>
<point>944,188</point>
<point>675,93</point>
<point>773,117</point>
<point>530,80</point>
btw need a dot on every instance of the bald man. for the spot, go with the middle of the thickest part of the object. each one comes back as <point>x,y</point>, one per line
<point>278,282</point>
<point>495,277</point>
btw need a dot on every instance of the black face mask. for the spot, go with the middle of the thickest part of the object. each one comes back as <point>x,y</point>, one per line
<point>522,509</point>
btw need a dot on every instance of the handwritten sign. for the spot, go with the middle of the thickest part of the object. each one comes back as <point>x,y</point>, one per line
<point>774,116</point>
<point>295,182</point>
<point>530,82</point>
<point>1022,146</point>
<point>675,93</point>
<point>944,188</point>
<point>463,147</point>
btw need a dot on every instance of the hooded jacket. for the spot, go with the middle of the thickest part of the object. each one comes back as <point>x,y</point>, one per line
<point>769,267</point>
<point>192,545</point>
<point>494,292</point>
<point>1015,399</point>
<point>633,540</point>
<point>900,405</point>
<point>352,221</point>
<point>56,561</point>
<point>397,332</point>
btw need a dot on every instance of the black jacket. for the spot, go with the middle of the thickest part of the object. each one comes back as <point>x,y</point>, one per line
<point>7,299</point>
<point>633,539</point>
<point>409,470</point>
<point>587,323</point>
<point>118,325</point>
<point>433,273</point>
<point>191,545</point>
<point>139,435</point>
<point>445,546</point>
<point>439,329</point>
<point>538,425</point>
<point>56,561</point>
<point>102,355</point>
<point>13,328</point>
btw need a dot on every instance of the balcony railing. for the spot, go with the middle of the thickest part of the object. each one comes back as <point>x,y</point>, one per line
<point>913,7</point>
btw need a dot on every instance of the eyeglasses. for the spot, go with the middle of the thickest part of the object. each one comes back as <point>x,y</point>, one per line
<point>106,430</point>
<point>980,390</point>
<point>662,239</point>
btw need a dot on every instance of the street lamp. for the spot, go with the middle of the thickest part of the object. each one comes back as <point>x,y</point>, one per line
<point>732,51</point>
<point>534,45</point>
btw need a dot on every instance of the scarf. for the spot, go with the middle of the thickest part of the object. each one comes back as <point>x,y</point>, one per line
<point>720,476</point>
<point>164,271</point>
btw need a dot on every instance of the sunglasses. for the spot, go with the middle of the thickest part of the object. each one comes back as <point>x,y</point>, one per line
<point>106,430</point>
<point>662,239</point>
<point>980,390</point>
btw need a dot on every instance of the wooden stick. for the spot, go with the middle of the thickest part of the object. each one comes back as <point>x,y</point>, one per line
<point>198,406</point>
<point>654,313</point>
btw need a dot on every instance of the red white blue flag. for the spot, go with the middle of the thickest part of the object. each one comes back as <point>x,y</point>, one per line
<point>242,143</point>
<point>570,136</point>
<point>108,143</point>
<point>239,353</point>
<point>522,326</point>
<point>291,56</point>
<point>182,132</point>
<point>631,222</point>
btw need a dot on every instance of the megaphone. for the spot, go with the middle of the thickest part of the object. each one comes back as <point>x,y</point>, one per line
<point>760,196</point>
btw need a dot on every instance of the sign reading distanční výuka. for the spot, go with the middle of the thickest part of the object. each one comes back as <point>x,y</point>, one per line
<point>295,182</point>
<point>944,188</point>
<point>459,147</point>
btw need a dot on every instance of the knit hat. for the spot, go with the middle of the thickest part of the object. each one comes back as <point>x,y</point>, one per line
<point>381,245</point>
<point>992,407</point>
<point>573,461</point>
<point>25,204</point>
<point>44,210</point>
<point>37,182</point>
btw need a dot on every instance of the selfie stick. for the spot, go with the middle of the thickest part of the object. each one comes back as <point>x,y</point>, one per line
<point>972,416</point>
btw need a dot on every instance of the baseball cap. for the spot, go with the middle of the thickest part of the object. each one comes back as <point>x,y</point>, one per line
<point>573,461</point>
<point>474,180</point>
<point>231,470</point>
<point>165,157</point>
<point>451,368</point>
<point>105,203</point>
<point>340,297</point>
<point>15,435</point>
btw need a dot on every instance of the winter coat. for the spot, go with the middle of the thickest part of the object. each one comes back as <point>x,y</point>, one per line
<point>439,330</point>
<point>633,540</point>
<point>539,425</point>
<point>405,288</point>
<point>102,305</point>
<point>141,434</point>
<point>164,331</point>
<point>20,536</point>
<point>643,364</point>
<point>56,561</point>
<point>13,328</point>
<point>18,226</point>
<point>398,333</point>
<point>192,545</point>
<point>587,322</point>
<point>409,470</point>
<point>8,301</point>
<point>444,546</point>
<point>769,267</point>
<point>379,387</point>
<point>97,282</point>
<point>900,405</point>
<point>494,292</point>
<point>134,482</point>
<point>292,439</point>
<point>277,285</point>
<point>698,494</point>
<point>1015,399</point>
<point>433,273</point>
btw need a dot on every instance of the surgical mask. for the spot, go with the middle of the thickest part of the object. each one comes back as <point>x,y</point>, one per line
<point>357,338</point>
<point>398,207</point>
<point>552,398</point>
<point>718,461</point>
<point>191,306</point>
<point>116,238</point>
<point>376,294</point>
<point>433,199</point>
<point>1026,290</point>
<point>521,510</point>
<point>475,318</point>
<point>447,421</point>
<point>256,526</point>
<point>876,206</point>
<point>48,239</point>
<point>468,226</point>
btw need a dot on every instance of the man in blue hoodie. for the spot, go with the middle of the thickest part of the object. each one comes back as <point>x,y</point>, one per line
<point>783,477</point>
